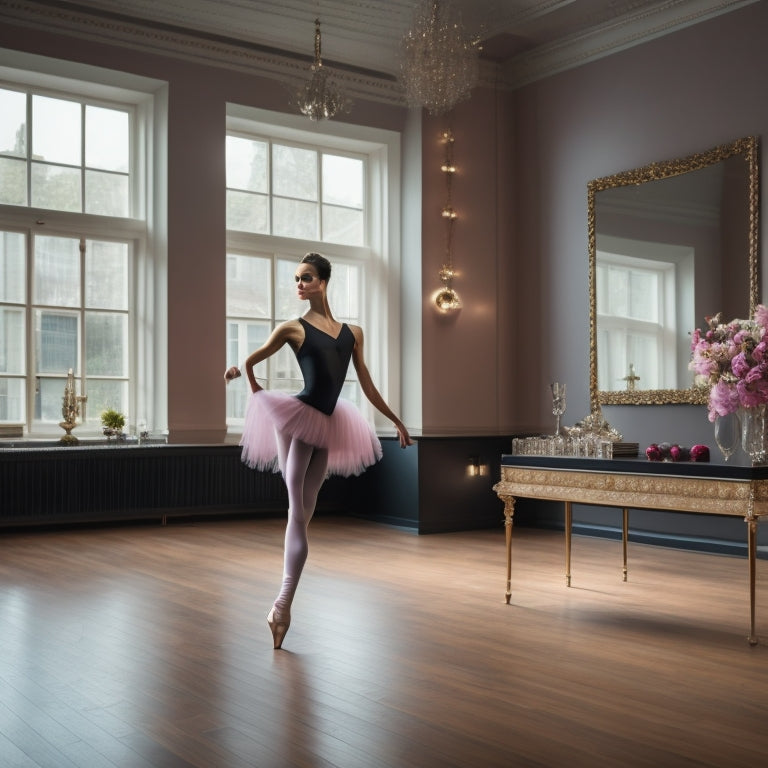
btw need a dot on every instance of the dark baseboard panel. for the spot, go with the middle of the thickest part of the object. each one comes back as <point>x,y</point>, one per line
<point>672,541</point>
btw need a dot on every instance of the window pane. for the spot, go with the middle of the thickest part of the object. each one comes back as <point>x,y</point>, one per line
<point>342,225</point>
<point>255,335</point>
<point>106,344</point>
<point>12,341</point>
<point>618,292</point>
<point>106,194</point>
<point>287,305</point>
<point>56,187</point>
<point>293,218</point>
<point>13,181</point>
<point>248,286</point>
<point>285,373</point>
<point>56,342</point>
<point>48,398</point>
<point>350,391</point>
<point>57,271</point>
<point>247,165</point>
<point>643,353</point>
<point>13,123</point>
<point>344,292</point>
<point>237,397</point>
<point>233,345</point>
<point>247,212</point>
<point>106,275</point>
<point>294,172</point>
<point>244,338</point>
<point>56,130</point>
<point>12,402</point>
<point>343,181</point>
<point>643,296</point>
<point>105,394</point>
<point>107,140</point>
<point>12,267</point>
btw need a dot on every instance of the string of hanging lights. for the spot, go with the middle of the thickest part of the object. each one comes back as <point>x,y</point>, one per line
<point>446,298</point>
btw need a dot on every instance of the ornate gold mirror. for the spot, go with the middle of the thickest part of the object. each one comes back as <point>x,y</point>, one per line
<point>669,244</point>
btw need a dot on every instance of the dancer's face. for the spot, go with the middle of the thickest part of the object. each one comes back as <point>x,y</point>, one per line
<point>307,281</point>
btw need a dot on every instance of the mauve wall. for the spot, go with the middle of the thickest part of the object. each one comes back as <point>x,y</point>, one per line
<point>520,243</point>
<point>667,98</point>
<point>464,352</point>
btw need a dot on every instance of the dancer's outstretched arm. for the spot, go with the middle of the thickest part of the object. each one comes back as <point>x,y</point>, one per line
<point>290,332</point>
<point>369,388</point>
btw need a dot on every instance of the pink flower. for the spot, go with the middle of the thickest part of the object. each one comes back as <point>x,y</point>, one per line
<point>740,365</point>
<point>761,316</point>
<point>751,395</point>
<point>754,374</point>
<point>723,399</point>
<point>695,339</point>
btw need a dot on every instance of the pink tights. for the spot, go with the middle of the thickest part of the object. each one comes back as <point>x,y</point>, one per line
<point>304,469</point>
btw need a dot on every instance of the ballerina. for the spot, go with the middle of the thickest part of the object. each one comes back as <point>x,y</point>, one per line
<point>312,434</point>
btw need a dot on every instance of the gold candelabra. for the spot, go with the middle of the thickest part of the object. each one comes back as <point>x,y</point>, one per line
<point>70,409</point>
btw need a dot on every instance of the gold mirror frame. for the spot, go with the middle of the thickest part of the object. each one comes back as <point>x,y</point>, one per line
<point>747,147</point>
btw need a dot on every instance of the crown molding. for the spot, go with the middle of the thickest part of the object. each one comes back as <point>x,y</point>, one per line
<point>165,40</point>
<point>634,28</point>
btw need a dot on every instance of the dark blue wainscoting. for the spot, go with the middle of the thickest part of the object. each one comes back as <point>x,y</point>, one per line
<point>426,487</point>
<point>89,484</point>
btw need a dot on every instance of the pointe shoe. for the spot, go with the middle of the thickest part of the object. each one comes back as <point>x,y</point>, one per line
<point>279,626</point>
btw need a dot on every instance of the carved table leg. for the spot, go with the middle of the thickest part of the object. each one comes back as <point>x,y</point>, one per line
<point>509,512</point>
<point>624,535</point>
<point>568,527</point>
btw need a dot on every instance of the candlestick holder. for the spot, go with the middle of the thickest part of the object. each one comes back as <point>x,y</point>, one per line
<point>70,409</point>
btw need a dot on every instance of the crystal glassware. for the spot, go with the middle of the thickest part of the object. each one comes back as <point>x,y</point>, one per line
<point>727,433</point>
<point>558,404</point>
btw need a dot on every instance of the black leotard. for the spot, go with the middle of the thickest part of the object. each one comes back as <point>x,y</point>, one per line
<point>324,360</point>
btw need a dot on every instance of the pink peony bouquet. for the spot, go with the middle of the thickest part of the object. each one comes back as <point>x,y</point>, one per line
<point>732,359</point>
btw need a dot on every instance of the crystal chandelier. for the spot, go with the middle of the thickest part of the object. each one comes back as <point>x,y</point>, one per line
<point>446,298</point>
<point>439,64</point>
<point>319,99</point>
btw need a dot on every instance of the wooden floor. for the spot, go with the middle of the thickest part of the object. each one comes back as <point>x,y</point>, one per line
<point>147,646</point>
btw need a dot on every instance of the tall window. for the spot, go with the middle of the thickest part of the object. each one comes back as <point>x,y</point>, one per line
<point>67,283</point>
<point>290,192</point>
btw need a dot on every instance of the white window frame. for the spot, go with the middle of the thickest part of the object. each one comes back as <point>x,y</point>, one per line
<point>380,302</point>
<point>148,99</point>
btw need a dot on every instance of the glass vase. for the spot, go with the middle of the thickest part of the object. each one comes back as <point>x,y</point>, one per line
<point>753,433</point>
<point>728,433</point>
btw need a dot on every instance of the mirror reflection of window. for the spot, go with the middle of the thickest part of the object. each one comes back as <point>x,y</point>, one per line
<point>645,309</point>
<point>638,327</point>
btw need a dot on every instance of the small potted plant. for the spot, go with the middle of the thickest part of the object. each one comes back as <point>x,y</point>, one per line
<point>112,422</point>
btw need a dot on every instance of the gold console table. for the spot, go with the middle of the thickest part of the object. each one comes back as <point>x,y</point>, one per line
<point>699,488</point>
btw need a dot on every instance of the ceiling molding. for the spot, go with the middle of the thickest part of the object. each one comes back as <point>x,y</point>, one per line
<point>645,23</point>
<point>167,41</point>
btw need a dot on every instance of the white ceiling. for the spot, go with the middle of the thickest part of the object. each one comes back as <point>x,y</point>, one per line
<point>522,39</point>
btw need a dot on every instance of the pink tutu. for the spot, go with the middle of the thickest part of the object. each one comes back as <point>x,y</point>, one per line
<point>351,441</point>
